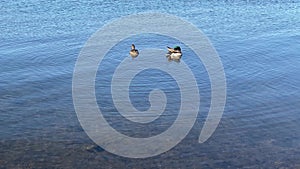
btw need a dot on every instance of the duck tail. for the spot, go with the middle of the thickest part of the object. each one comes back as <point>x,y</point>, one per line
<point>170,49</point>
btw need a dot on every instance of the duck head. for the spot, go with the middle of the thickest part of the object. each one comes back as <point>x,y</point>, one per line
<point>177,48</point>
<point>132,47</point>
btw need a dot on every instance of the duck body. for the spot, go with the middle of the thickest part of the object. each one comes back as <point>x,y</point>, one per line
<point>174,53</point>
<point>133,52</point>
<point>175,56</point>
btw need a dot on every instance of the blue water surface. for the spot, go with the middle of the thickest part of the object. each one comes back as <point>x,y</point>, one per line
<point>258,43</point>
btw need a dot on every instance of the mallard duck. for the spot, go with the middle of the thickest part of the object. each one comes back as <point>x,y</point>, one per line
<point>133,52</point>
<point>174,53</point>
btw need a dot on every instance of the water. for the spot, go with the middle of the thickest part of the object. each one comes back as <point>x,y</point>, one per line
<point>258,43</point>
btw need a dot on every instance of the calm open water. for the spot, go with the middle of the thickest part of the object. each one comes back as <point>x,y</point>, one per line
<point>258,43</point>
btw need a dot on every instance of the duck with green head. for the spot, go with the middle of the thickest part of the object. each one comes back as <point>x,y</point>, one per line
<point>174,53</point>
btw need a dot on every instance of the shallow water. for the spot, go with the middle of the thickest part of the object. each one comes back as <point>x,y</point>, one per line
<point>258,43</point>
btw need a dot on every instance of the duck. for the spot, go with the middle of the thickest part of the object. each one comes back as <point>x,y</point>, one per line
<point>133,52</point>
<point>174,53</point>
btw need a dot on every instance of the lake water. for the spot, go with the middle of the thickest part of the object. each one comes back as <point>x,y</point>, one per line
<point>258,43</point>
